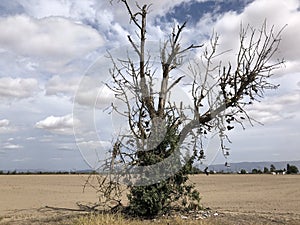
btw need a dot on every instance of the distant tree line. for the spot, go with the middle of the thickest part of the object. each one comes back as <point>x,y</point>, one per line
<point>290,169</point>
<point>15,172</point>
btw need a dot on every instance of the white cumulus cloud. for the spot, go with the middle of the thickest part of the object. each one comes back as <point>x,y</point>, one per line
<point>58,125</point>
<point>17,88</point>
<point>12,146</point>
<point>4,123</point>
<point>6,127</point>
<point>58,85</point>
<point>53,37</point>
<point>276,108</point>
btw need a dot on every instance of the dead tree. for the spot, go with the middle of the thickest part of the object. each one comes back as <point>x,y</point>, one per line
<point>158,129</point>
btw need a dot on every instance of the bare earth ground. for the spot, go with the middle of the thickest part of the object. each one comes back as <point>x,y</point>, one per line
<point>252,199</point>
<point>238,199</point>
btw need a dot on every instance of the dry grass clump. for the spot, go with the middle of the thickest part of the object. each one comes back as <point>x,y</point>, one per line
<point>117,219</point>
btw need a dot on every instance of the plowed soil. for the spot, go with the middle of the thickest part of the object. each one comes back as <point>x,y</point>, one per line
<point>238,199</point>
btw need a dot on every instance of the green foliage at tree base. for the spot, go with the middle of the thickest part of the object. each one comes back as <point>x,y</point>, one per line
<point>157,199</point>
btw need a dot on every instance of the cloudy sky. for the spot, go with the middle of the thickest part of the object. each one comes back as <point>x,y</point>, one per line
<point>49,48</point>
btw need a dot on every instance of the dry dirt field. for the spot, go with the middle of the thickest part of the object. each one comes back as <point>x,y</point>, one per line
<point>238,199</point>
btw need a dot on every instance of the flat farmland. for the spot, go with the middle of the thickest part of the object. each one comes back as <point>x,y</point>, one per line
<point>252,199</point>
<point>238,199</point>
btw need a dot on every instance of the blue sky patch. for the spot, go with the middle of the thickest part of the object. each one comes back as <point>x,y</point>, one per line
<point>9,7</point>
<point>193,11</point>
